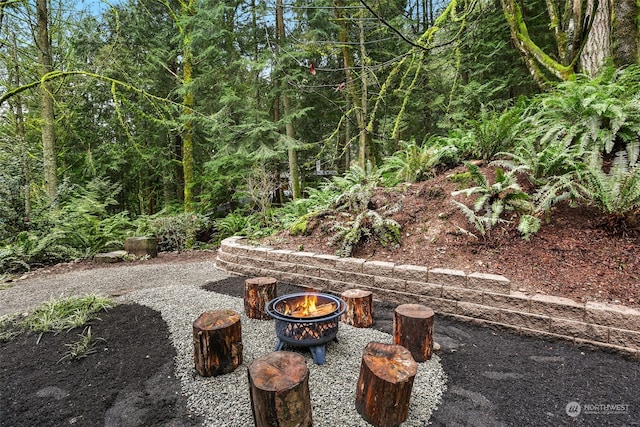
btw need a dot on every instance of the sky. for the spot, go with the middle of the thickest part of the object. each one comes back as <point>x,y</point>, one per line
<point>96,6</point>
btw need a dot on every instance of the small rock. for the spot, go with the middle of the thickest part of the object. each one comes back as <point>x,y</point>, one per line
<point>436,346</point>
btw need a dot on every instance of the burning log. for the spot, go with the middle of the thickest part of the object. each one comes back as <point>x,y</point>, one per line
<point>359,312</point>
<point>279,390</point>
<point>258,291</point>
<point>318,311</point>
<point>413,329</point>
<point>385,383</point>
<point>217,342</point>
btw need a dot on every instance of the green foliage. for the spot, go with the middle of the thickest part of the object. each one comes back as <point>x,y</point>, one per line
<point>237,223</point>
<point>600,115</point>
<point>413,163</point>
<point>615,193</point>
<point>79,227</point>
<point>82,348</point>
<point>366,224</point>
<point>495,200</point>
<point>175,232</point>
<point>67,313</point>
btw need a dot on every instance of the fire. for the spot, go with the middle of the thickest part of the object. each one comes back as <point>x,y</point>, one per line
<point>308,307</point>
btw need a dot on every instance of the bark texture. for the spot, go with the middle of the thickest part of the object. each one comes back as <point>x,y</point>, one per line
<point>359,311</point>
<point>217,342</point>
<point>50,166</point>
<point>385,383</point>
<point>258,291</point>
<point>413,329</point>
<point>279,390</point>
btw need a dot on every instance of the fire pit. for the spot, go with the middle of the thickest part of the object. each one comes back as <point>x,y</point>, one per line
<point>306,320</point>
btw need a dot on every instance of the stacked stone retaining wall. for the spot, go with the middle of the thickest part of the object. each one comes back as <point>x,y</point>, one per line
<point>480,298</point>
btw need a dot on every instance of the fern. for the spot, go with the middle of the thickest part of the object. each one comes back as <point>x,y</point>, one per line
<point>494,200</point>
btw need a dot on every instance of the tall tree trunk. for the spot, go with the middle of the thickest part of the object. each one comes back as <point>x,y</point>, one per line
<point>286,102</point>
<point>47,114</point>
<point>598,46</point>
<point>365,150</point>
<point>188,10</point>
<point>20,133</point>
<point>352,92</point>
<point>625,32</point>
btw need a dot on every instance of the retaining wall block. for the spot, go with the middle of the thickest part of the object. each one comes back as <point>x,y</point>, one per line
<point>301,257</point>
<point>413,273</point>
<point>574,329</point>
<point>395,296</point>
<point>536,333</point>
<point>616,316</point>
<point>307,270</point>
<point>439,305</point>
<point>489,282</point>
<point>350,264</point>
<point>390,284</point>
<point>378,268</point>
<point>234,248</point>
<point>557,307</point>
<point>281,255</point>
<point>446,276</point>
<point>282,266</point>
<point>260,252</point>
<point>478,311</point>
<point>623,337</point>
<point>525,320</point>
<point>324,261</point>
<point>421,288</point>
<point>227,257</point>
<point>515,300</point>
<point>462,294</point>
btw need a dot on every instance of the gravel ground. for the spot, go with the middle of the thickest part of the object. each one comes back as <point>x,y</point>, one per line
<point>175,290</point>
<point>224,400</point>
<point>30,293</point>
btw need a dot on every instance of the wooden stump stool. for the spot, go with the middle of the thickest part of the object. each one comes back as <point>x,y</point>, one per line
<point>413,329</point>
<point>385,383</point>
<point>217,342</point>
<point>279,390</point>
<point>359,312</point>
<point>258,291</point>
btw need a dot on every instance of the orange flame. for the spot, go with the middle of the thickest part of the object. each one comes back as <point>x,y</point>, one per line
<point>302,308</point>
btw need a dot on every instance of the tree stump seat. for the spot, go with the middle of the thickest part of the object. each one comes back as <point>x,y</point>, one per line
<point>217,342</point>
<point>413,329</point>
<point>279,390</point>
<point>258,291</point>
<point>385,383</point>
<point>359,311</point>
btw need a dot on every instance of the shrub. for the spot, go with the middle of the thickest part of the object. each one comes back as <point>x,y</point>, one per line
<point>174,232</point>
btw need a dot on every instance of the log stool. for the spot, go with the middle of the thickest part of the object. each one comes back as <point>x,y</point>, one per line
<point>413,329</point>
<point>258,291</point>
<point>279,390</point>
<point>385,383</point>
<point>217,342</point>
<point>359,312</point>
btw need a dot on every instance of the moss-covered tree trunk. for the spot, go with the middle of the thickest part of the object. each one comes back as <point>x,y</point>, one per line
<point>188,10</point>
<point>625,31</point>
<point>47,113</point>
